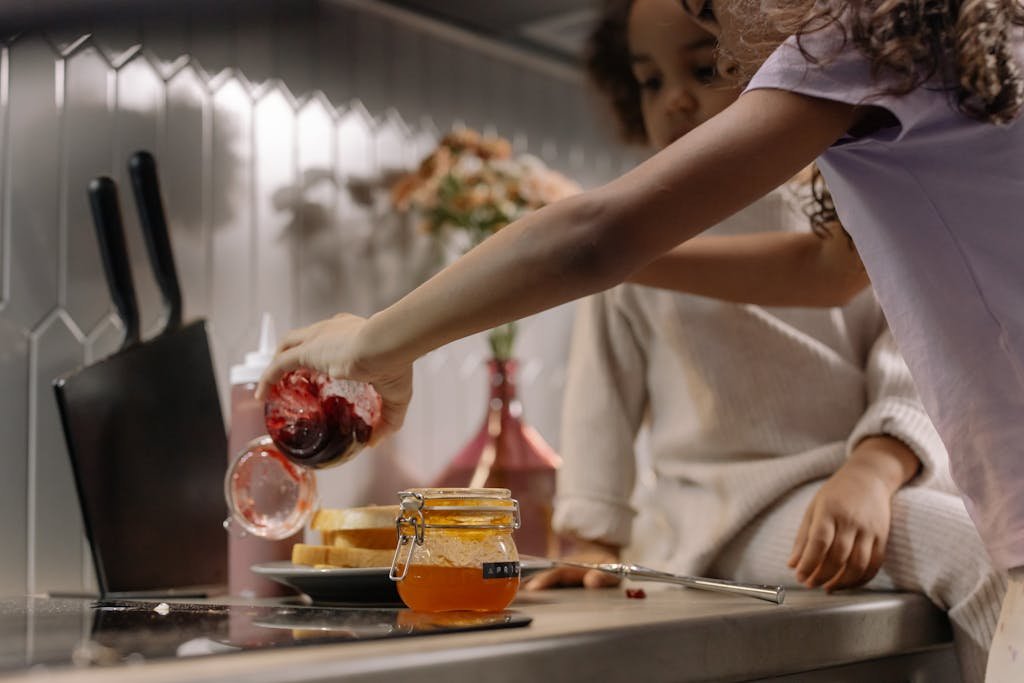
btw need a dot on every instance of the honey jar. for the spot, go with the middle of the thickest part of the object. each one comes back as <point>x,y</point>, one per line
<point>455,549</point>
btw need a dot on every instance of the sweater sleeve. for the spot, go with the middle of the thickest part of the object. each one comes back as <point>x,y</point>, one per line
<point>604,407</point>
<point>895,410</point>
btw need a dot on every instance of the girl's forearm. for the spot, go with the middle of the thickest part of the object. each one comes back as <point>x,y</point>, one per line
<point>595,240</point>
<point>550,257</point>
<point>767,269</point>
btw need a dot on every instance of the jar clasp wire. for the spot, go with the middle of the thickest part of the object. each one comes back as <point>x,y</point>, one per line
<point>412,514</point>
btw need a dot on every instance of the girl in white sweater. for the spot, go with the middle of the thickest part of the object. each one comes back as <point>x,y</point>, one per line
<point>788,446</point>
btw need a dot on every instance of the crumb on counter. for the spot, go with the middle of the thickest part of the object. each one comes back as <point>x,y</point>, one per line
<point>636,593</point>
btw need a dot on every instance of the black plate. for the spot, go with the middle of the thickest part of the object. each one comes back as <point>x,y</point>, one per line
<point>355,586</point>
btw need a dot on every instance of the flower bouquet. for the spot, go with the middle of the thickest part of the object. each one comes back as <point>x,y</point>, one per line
<point>470,187</point>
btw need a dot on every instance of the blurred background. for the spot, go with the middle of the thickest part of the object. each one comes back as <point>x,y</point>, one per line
<point>277,126</point>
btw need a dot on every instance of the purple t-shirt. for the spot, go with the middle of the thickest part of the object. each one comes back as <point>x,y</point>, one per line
<point>935,206</point>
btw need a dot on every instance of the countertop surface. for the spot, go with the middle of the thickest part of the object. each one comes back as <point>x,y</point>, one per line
<point>673,634</point>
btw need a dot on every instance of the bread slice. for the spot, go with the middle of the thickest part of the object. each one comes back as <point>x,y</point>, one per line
<point>311,555</point>
<point>368,517</point>
<point>374,539</point>
<point>333,556</point>
<point>372,526</point>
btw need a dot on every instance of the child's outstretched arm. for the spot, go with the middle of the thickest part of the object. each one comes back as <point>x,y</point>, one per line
<point>767,269</point>
<point>580,245</point>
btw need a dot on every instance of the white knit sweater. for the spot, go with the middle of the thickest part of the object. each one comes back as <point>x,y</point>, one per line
<point>742,403</point>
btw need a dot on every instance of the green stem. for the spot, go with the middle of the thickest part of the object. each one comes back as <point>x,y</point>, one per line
<point>502,339</point>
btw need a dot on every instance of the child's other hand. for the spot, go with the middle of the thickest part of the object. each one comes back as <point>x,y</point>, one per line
<point>581,551</point>
<point>333,346</point>
<point>841,541</point>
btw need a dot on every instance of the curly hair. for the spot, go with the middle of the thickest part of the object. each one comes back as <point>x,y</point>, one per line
<point>821,210</point>
<point>964,44</point>
<point>608,65</point>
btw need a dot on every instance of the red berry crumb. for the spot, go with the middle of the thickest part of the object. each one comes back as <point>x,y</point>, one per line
<point>636,593</point>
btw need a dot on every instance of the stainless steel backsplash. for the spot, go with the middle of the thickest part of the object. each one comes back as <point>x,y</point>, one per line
<point>275,135</point>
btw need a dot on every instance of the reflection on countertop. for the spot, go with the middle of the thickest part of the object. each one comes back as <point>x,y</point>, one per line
<point>59,632</point>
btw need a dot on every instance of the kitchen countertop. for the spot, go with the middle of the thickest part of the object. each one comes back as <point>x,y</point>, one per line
<point>673,634</point>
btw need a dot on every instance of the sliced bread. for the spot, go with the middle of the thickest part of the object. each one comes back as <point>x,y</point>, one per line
<point>368,517</point>
<point>334,556</point>
<point>377,539</point>
<point>371,526</point>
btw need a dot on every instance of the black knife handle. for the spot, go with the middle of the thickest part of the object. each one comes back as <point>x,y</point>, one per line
<point>106,216</point>
<point>142,169</point>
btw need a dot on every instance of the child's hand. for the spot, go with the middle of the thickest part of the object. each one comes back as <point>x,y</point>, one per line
<point>841,541</point>
<point>333,346</point>
<point>582,551</point>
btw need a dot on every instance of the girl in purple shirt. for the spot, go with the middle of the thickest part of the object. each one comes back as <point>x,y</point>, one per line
<point>911,109</point>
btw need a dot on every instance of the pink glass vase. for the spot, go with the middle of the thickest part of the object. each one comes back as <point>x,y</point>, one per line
<point>506,453</point>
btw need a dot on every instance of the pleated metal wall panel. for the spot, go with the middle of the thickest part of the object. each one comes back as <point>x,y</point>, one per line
<point>274,136</point>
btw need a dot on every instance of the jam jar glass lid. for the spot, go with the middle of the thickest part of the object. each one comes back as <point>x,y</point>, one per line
<point>268,495</point>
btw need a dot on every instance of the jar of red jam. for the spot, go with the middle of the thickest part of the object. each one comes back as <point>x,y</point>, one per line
<point>455,549</point>
<point>318,421</point>
<point>312,421</point>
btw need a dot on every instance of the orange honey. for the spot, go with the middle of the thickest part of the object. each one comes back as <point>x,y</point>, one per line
<point>433,588</point>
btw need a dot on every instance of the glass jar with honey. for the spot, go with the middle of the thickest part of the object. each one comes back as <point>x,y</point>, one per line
<point>455,549</point>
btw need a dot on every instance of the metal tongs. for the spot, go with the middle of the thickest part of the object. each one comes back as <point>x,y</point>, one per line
<point>775,594</point>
